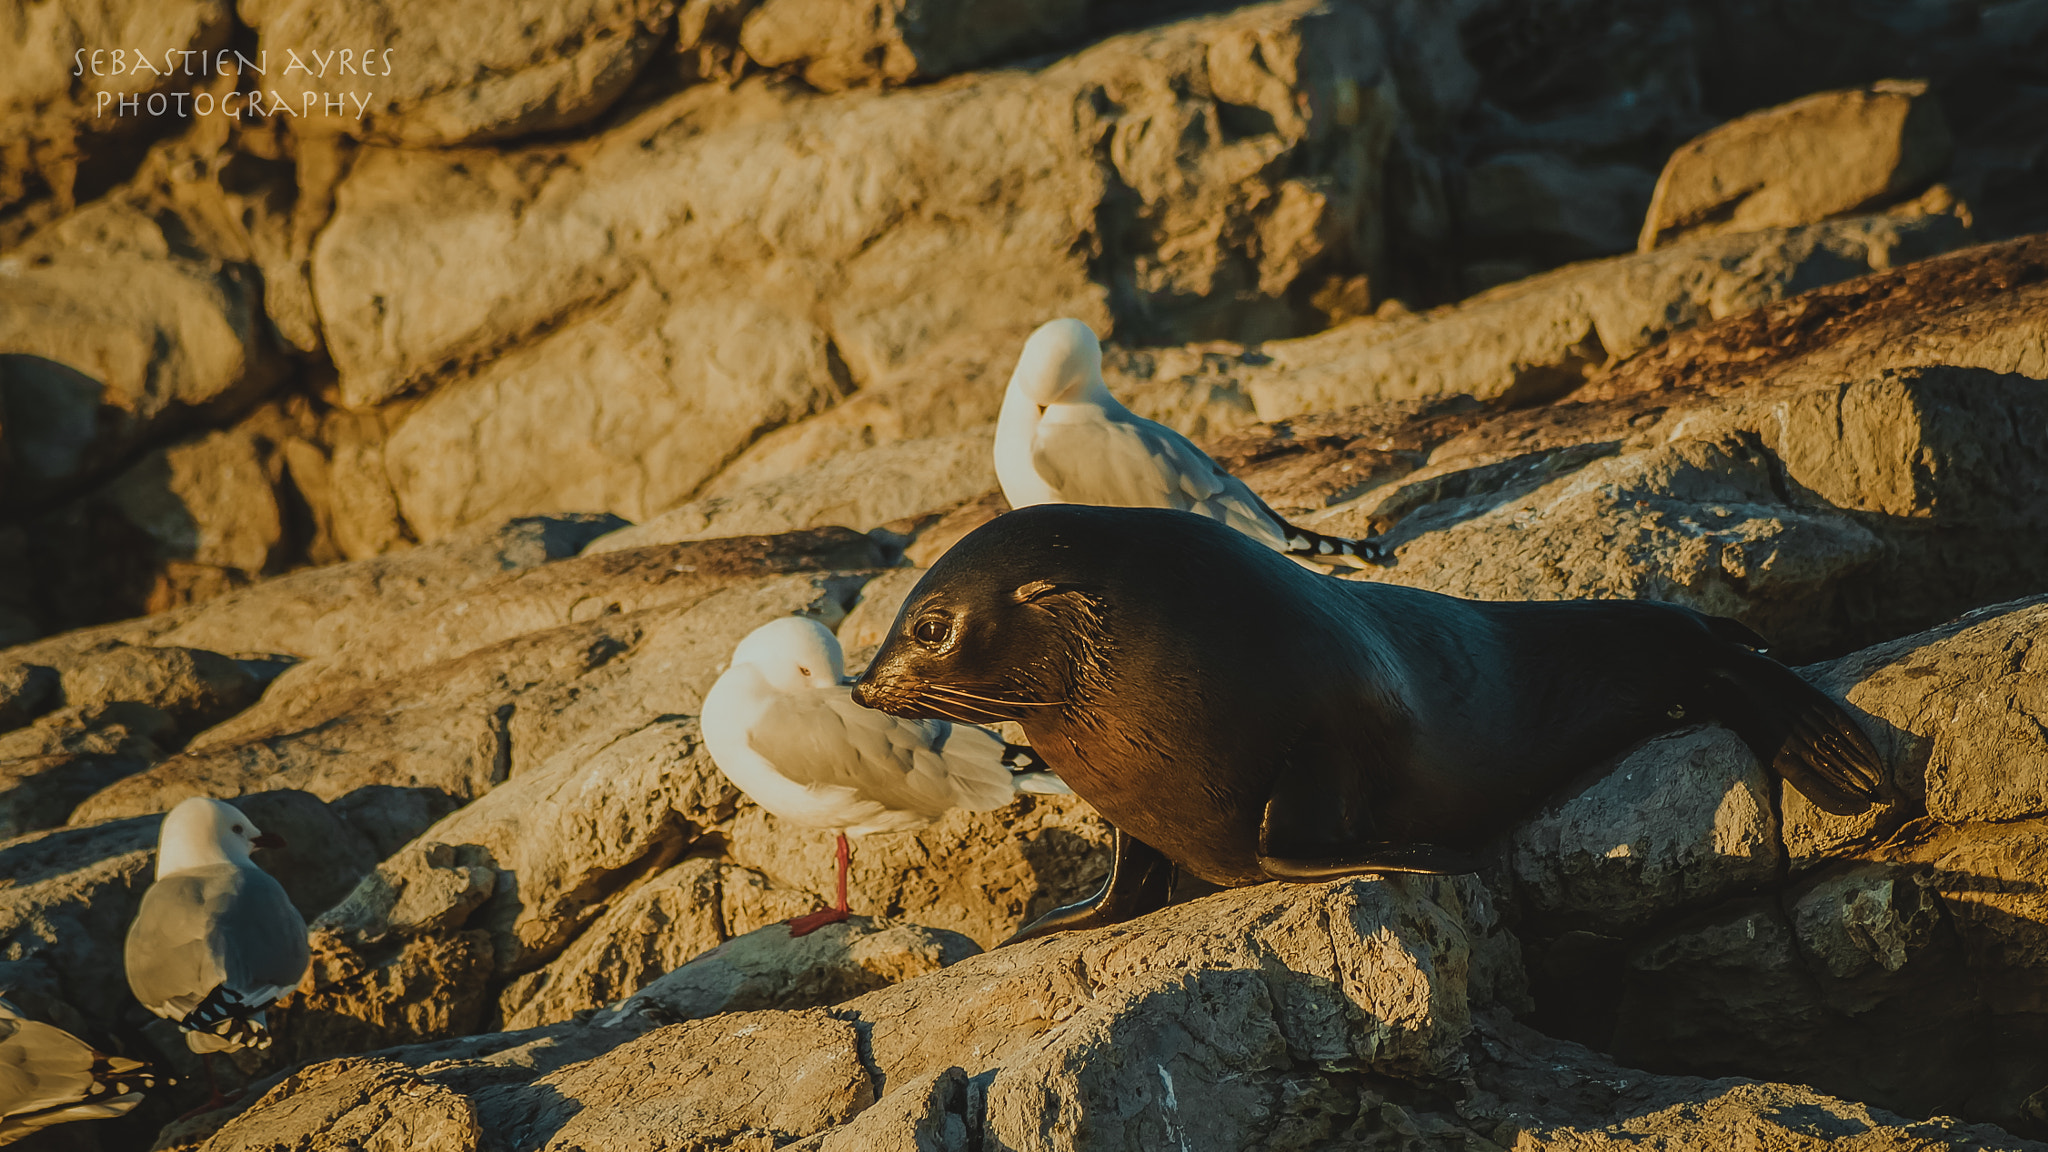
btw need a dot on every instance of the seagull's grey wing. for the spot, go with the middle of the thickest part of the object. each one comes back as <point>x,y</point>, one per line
<point>822,738</point>
<point>219,927</point>
<point>48,1076</point>
<point>1127,461</point>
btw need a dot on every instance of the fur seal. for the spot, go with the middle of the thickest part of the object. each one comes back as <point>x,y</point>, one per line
<point>1245,719</point>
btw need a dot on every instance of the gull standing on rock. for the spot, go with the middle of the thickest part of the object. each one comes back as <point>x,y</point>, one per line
<point>216,940</point>
<point>782,725</point>
<point>1063,439</point>
<point>48,1076</point>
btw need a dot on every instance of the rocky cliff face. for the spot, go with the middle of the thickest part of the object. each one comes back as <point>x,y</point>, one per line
<point>406,473</point>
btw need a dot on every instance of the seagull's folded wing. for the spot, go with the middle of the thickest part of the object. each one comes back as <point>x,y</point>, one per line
<point>822,738</point>
<point>205,928</point>
<point>1131,462</point>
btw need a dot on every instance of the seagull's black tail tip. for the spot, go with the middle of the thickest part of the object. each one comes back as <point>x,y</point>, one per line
<point>1320,549</point>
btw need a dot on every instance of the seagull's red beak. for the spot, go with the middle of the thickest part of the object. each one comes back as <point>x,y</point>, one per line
<point>268,840</point>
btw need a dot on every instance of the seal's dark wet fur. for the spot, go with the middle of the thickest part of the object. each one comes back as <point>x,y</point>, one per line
<point>1252,720</point>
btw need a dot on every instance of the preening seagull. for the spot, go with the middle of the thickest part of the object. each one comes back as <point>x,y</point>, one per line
<point>216,940</point>
<point>1063,439</point>
<point>782,725</point>
<point>48,1076</point>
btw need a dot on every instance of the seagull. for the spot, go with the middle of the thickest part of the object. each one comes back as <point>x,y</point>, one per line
<point>48,1076</point>
<point>216,940</point>
<point>781,723</point>
<point>1063,439</point>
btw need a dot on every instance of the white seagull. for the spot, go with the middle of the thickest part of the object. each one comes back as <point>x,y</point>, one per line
<point>48,1076</point>
<point>782,725</point>
<point>1063,439</point>
<point>216,940</point>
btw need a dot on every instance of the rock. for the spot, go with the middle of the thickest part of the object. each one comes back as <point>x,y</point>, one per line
<point>421,80</point>
<point>860,490</point>
<point>1958,712</point>
<point>464,725</point>
<point>767,968</point>
<point>771,1076</point>
<point>929,1114</point>
<point>61,111</point>
<point>1825,155</point>
<point>208,504</point>
<point>1865,917</point>
<point>623,236</point>
<point>1979,308</point>
<point>1610,1107</point>
<point>193,687</point>
<point>392,962</point>
<point>1541,337</point>
<point>981,874</point>
<point>1543,204</point>
<point>567,592</point>
<point>838,44</point>
<point>1682,821</point>
<point>69,891</point>
<point>26,692</point>
<point>645,933</point>
<point>307,614</point>
<point>90,376</point>
<point>364,1103</point>
<point>1692,521</point>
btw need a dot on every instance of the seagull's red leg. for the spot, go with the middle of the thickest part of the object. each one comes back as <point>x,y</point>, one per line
<point>810,922</point>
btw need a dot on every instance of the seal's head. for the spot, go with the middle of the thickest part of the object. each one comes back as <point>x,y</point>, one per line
<point>1011,624</point>
<point>1061,363</point>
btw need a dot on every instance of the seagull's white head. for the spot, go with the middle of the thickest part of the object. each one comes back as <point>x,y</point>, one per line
<point>792,653</point>
<point>1061,363</point>
<point>202,831</point>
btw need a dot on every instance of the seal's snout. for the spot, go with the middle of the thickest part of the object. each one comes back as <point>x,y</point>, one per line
<point>862,696</point>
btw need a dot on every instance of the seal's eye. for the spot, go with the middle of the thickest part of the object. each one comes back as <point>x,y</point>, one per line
<point>932,630</point>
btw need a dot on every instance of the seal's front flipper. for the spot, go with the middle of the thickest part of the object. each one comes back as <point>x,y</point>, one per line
<point>1140,880</point>
<point>1799,731</point>
<point>1361,858</point>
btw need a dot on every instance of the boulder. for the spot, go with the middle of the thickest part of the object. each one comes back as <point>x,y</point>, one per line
<point>462,726</point>
<point>311,613</point>
<point>839,44</point>
<point>860,490</point>
<point>413,75</point>
<point>647,933</point>
<point>1681,822</point>
<point>1825,155</point>
<point>1541,337</point>
<point>674,230</point>
<point>1553,209</point>
<point>70,65</point>
<point>572,591</point>
<point>981,874</point>
<point>91,376</point>
<point>767,968</point>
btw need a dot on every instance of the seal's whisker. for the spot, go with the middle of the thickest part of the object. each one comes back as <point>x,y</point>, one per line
<point>963,694</point>
<point>939,707</point>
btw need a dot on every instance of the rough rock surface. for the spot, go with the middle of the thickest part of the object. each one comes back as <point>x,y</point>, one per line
<point>425,76</point>
<point>1828,154</point>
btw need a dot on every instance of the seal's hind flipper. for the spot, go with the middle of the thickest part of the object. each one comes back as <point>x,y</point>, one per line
<point>1803,734</point>
<point>1140,881</point>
